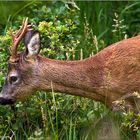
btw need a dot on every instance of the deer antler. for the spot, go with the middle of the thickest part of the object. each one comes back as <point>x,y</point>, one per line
<point>16,39</point>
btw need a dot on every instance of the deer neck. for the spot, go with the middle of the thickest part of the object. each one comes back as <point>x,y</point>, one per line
<point>70,77</point>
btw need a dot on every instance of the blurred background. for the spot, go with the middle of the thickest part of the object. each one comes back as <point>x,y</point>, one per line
<point>70,30</point>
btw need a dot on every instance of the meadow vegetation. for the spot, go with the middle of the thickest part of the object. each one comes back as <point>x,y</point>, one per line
<point>70,30</point>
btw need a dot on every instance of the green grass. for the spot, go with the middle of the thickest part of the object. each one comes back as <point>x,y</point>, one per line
<point>67,29</point>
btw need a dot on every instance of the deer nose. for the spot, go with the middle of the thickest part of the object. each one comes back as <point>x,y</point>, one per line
<point>6,101</point>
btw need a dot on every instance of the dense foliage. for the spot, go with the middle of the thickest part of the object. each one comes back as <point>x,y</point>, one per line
<point>69,30</point>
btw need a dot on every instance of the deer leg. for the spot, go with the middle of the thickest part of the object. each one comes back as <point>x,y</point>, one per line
<point>128,102</point>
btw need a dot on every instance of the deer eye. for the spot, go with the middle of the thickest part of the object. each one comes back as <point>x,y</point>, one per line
<point>13,79</point>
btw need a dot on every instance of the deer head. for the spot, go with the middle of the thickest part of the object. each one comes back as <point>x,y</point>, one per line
<point>20,66</point>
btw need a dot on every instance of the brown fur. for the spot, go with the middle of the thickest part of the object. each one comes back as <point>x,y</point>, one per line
<point>106,77</point>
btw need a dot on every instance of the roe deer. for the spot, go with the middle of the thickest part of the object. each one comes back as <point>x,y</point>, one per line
<point>110,76</point>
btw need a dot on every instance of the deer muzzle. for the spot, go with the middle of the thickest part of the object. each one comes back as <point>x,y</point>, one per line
<point>5,100</point>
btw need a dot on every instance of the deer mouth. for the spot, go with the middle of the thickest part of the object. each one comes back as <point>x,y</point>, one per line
<point>6,101</point>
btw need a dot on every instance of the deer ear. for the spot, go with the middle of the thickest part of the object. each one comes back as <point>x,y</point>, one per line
<point>32,43</point>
